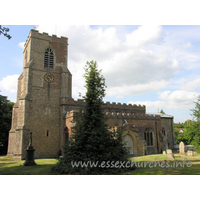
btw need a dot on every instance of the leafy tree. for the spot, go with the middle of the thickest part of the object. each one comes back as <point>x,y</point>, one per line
<point>5,31</point>
<point>92,141</point>
<point>192,131</point>
<point>178,135</point>
<point>181,136</point>
<point>5,122</point>
<point>162,111</point>
<point>196,110</point>
<point>186,135</point>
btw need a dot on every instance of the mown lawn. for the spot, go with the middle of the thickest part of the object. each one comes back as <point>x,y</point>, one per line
<point>10,167</point>
<point>191,165</point>
<point>165,167</point>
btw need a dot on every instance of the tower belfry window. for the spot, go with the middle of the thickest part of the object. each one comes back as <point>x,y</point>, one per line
<point>48,58</point>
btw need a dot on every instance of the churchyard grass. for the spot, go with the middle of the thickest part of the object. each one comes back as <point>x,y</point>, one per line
<point>10,167</point>
<point>194,169</point>
<point>43,167</point>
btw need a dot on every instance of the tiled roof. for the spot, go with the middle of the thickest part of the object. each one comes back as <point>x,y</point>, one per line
<point>161,115</point>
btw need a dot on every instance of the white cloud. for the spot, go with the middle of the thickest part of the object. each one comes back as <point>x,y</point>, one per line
<point>191,57</point>
<point>191,85</point>
<point>175,63</point>
<point>119,97</point>
<point>144,35</point>
<point>164,95</point>
<point>135,89</point>
<point>187,45</point>
<point>78,92</point>
<point>179,96</point>
<point>137,67</point>
<point>182,119</point>
<point>178,99</point>
<point>21,45</point>
<point>9,83</point>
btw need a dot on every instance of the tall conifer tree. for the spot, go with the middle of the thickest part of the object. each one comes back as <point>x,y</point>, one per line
<point>92,141</point>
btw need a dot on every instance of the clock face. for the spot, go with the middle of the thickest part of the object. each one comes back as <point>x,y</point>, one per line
<point>48,77</point>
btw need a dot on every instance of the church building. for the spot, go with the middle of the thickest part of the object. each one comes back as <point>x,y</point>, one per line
<point>46,108</point>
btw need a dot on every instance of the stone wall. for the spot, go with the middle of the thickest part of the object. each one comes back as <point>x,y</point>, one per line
<point>167,124</point>
<point>38,102</point>
<point>137,124</point>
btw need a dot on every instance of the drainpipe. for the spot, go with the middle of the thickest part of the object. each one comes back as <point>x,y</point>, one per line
<point>172,129</point>
<point>157,136</point>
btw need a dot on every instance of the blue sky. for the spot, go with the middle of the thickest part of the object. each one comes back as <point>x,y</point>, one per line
<point>156,66</point>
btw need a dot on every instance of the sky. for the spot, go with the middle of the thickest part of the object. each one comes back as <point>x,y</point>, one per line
<point>156,66</point>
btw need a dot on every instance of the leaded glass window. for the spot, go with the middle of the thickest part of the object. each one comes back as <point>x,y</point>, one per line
<point>48,58</point>
<point>148,136</point>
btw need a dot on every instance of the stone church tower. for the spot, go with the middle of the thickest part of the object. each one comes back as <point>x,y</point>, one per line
<point>43,86</point>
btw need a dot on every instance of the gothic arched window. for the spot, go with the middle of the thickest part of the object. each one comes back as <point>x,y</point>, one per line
<point>48,58</point>
<point>148,136</point>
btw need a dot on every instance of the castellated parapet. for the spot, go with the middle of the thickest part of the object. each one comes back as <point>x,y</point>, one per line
<point>119,115</point>
<point>45,36</point>
<point>131,116</point>
<point>109,107</point>
<point>124,105</point>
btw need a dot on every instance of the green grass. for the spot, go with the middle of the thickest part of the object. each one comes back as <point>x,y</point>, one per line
<point>10,167</point>
<point>43,167</point>
<point>172,168</point>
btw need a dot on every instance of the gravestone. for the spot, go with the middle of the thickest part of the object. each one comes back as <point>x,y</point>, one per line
<point>189,147</point>
<point>164,152</point>
<point>169,151</point>
<point>181,148</point>
<point>190,153</point>
<point>170,155</point>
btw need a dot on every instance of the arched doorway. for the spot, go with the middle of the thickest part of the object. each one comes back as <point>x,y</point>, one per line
<point>129,144</point>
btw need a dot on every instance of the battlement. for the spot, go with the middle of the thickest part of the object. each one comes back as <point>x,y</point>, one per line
<point>72,113</point>
<point>130,116</point>
<point>45,36</point>
<point>124,105</point>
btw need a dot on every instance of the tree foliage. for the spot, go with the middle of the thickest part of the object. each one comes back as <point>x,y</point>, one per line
<point>162,111</point>
<point>5,122</point>
<point>92,141</point>
<point>196,110</point>
<point>4,31</point>
<point>180,135</point>
<point>191,129</point>
<point>192,132</point>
